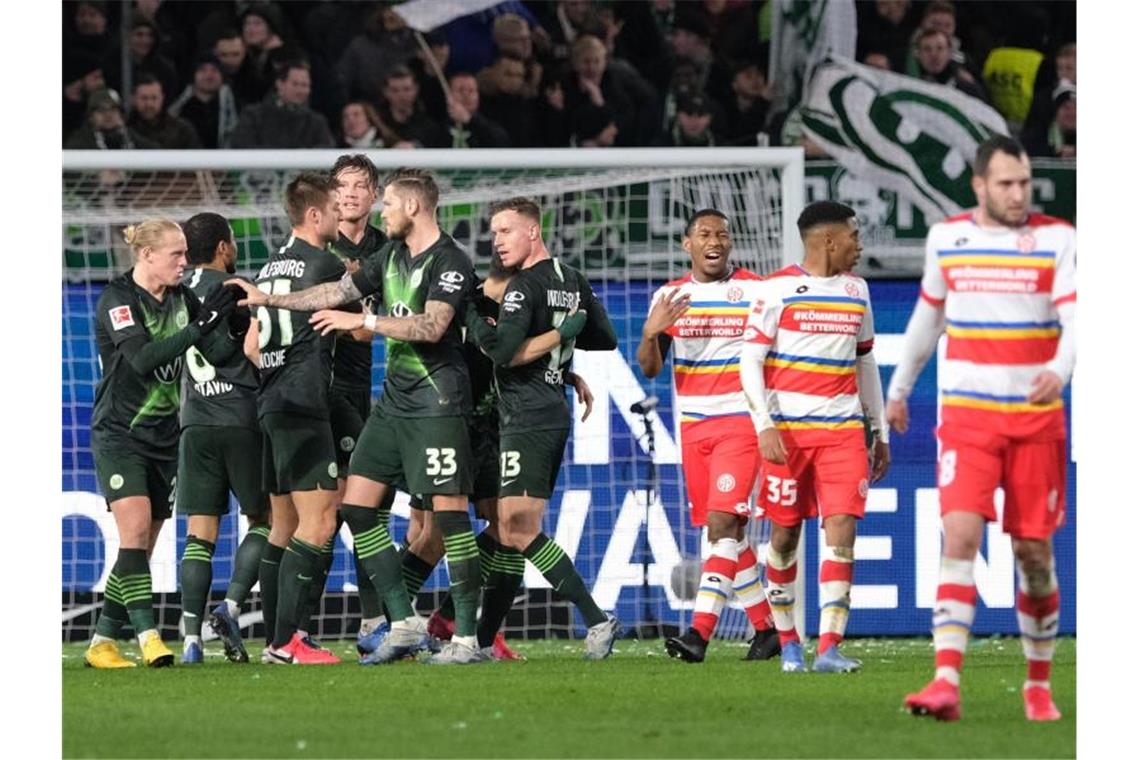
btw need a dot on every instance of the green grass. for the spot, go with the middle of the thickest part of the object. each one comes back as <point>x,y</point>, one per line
<point>639,703</point>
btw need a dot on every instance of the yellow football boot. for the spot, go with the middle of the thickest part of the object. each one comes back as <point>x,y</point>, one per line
<point>156,654</point>
<point>106,655</point>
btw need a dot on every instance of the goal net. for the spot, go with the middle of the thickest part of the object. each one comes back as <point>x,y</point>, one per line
<point>617,215</point>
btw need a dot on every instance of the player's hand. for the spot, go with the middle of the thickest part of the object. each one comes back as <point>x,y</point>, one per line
<point>665,313</point>
<point>253,296</point>
<point>898,415</point>
<point>772,447</point>
<point>584,394</point>
<point>327,320</point>
<point>880,459</point>
<point>457,112</point>
<point>217,307</point>
<point>1046,388</point>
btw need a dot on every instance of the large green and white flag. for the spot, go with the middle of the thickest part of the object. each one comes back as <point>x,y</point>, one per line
<point>899,133</point>
<point>804,34</point>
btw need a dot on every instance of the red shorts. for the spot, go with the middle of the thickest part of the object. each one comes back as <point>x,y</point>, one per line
<point>815,481</point>
<point>720,469</point>
<point>972,463</point>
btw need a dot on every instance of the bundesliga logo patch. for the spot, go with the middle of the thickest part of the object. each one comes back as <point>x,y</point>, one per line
<point>121,317</point>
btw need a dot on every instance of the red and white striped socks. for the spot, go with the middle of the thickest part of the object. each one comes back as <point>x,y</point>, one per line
<point>748,589</point>
<point>716,584</point>
<point>782,593</point>
<point>1038,617</point>
<point>835,576</point>
<point>953,615</point>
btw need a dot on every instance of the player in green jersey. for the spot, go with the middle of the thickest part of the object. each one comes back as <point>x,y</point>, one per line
<point>534,418</point>
<point>299,455</point>
<point>417,431</point>
<point>145,322</point>
<point>219,452</point>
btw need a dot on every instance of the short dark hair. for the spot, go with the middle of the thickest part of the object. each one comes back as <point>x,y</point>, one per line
<point>420,182</point>
<point>699,214</point>
<point>823,212</point>
<point>995,144</point>
<point>399,71</point>
<point>203,233</point>
<point>307,190</point>
<point>519,204</point>
<point>460,73</point>
<point>144,78</point>
<point>284,65</point>
<point>357,162</point>
<point>227,33</point>
<point>939,6</point>
<point>924,33</point>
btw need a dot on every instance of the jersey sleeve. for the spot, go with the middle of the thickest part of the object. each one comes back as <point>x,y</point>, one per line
<point>515,316</point>
<point>1065,276</point>
<point>933,283</point>
<point>119,316</point>
<point>763,318</point>
<point>370,277</point>
<point>865,338</point>
<point>452,280</point>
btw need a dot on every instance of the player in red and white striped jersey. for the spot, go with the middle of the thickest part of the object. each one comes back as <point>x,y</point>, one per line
<point>702,316</point>
<point>810,378</point>
<point>1001,283</point>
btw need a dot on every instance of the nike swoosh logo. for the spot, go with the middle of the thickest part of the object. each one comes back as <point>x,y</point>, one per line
<point>390,275</point>
<point>213,315</point>
<point>438,482</point>
<point>304,577</point>
<point>507,482</point>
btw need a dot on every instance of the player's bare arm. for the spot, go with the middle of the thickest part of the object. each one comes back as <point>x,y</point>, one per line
<point>663,315</point>
<point>327,295</point>
<point>428,327</point>
<point>585,396</point>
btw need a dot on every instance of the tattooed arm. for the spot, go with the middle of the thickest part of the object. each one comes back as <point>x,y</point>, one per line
<point>428,327</point>
<point>327,295</point>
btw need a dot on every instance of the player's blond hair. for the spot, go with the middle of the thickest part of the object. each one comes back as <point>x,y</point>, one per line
<point>148,234</point>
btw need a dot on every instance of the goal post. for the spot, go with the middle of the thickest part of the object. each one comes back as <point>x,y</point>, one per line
<point>616,214</point>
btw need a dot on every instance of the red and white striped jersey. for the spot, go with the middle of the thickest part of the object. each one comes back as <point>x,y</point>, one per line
<point>1000,288</point>
<point>814,327</point>
<point>706,348</point>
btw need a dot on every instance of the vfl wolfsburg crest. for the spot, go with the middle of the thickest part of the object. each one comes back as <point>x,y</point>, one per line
<point>896,132</point>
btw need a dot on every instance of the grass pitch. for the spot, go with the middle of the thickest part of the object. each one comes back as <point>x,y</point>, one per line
<point>639,703</point>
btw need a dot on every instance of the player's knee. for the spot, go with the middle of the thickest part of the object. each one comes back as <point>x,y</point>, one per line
<point>1034,559</point>
<point>723,525</point>
<point>960,545</point>
<point>784,540</point>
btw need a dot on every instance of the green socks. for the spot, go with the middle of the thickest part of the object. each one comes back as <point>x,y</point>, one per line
<point>557,568</point>
<point>377,554</point>
<point>268,576</point>
<point>196,576</point>
<point>503,579</point>
<point>133,571</point>
<point>299,565</point>
<point>247,563</point>
<point>462,567</point>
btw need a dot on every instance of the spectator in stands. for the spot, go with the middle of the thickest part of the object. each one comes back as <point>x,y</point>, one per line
<point>1043,109</point>
<point>472,36</point>
<point>145,58</point>
<point>105,128</point>
<point>360,126</point>
<point>747,110</point>
<point>692,41</point>
<point>888,28</point>
<point>1059,138</point>
<point>385,42</point>
<point>238,69</point>
<point>208,104</point>
<point>502,88</point>
<point>261,25</point>
<point>570,19</point>
<point>934,60</point>
<point>152,122</point>
<point>682,85</point>
<point>589,81</point>
<point>89,31</point>
<point>594,126</point>
<point>733,29</point>
<point>283,119</point>
<point>405,115</point>
<point>469,128</point>
<point>82,75</point>
<point>512,37</point>
<point>693,126</point>
<point>646,102</point>
<point>877,60</point>
<point>431,89</point>
<point>167,21</point>
<point>942,16</point>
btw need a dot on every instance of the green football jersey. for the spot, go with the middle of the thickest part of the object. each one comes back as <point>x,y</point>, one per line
<point>352,358</point>
<point>219,396</point>
<point>143,408</point>
<point>296,362</point>
<point>480,367</point>
<point>422,379</point>
<point>532,396</point>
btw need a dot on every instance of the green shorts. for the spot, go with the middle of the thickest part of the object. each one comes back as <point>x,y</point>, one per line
<point>297,454</point>
<point>124,472</point>
<point>212,461</point>
<point>529,462</point>
<point>431,455</point>
<point>348,411</point>
<point>484,435</point>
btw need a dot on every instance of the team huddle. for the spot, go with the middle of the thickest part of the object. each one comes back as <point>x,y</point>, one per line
<point>215,384</point>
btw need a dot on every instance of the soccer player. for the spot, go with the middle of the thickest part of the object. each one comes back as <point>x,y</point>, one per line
<point>1001,283</point>
<point>298,453</point>
<point>808,373</point>
<point>219,452</point>
<point>534,419</point>
<point>145,322</point>
<point>417,432</point>
<point>703,314</point>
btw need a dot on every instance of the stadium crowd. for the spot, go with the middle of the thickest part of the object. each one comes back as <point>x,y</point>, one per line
<point>523,74</point>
